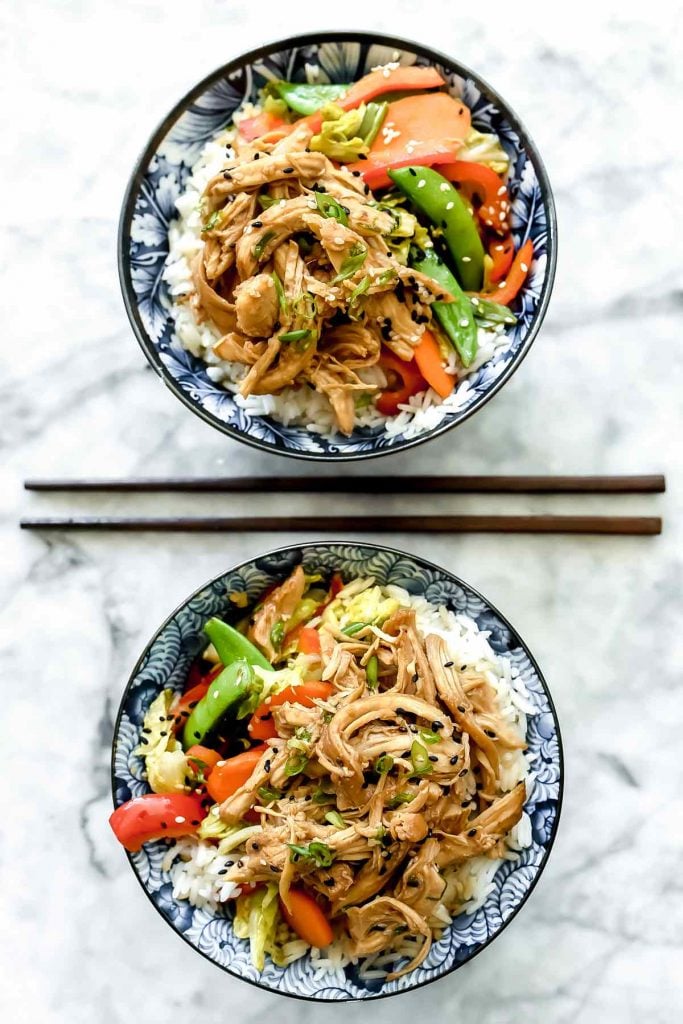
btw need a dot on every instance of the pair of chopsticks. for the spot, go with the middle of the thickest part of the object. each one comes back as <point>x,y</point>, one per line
<point>375,485</point>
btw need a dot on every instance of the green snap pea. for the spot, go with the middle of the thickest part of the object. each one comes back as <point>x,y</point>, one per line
<point>225,692</point>
<point>456,318</point>
<point>305,98</point>
<point>231,645</point>
<point>436,197</point>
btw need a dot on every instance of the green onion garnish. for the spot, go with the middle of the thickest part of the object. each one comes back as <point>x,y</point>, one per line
<point>354,627</point>
<point>335,818</point>
<point>260,247</point>
<point>212,221</point>
<point>321,797</point>
<point>400,798</point>
<point>320,853</point>
<point>371,672</point>
<point>265,202</point>
<point>329,207</point>
<point>384,764</point>
<point>280,291</point>
<point>295,335</point>
<point>353,262</point>
<point>295,764</point>
<point>267,794</point>
<point>420,759</point>
<point>427,736</point>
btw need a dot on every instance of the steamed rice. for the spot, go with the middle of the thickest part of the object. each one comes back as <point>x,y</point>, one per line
<point>194,865</point>
<point>301,406</point>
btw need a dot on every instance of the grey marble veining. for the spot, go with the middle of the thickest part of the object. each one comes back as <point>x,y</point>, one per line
<point>601,939</point>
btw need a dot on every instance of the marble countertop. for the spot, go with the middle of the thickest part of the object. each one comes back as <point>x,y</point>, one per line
<point>601,939</point>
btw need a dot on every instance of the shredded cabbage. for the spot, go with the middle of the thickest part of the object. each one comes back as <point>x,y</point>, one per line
<point>485,149</point>
<point>267,682</point>
<point>165,762</point>
<point>213,828</point>
<point>369,606</point>
<point>338,137</point>
<point>256,918</point>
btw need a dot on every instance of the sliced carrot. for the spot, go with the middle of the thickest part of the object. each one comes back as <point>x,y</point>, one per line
<point>507,290</point>
<point>430,365</point>
<point>430,128</point>
<point>208,758</point>
<point>403,380</point>
<point>255,127</point>
<point>227,776</point>
<point>305,917</point>
<point>309,640</point>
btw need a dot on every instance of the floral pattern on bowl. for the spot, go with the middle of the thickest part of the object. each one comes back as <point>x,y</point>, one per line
<point>163,169</point>
<point>165,662</point>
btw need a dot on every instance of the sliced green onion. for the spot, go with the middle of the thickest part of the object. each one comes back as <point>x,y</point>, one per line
<point>384,764</point>
<point>400,798</point>
<point>212,221</point>
<point>353,262</point>
<point>329,207</point>
<point>260,247</point>
<point>267,794</point>
<point>427,736</point>
<point>277,634</point>
<point>295,335</point>
<point>335,818</point>
<point>354,627</point>
<point>371,672</point>
<point>265,202</point>
<point>295,764</point>
<point>279,291</point>
<point>420,759</point>
<point>321,797</point>
<point>320,853</point>
<point>359,290</point>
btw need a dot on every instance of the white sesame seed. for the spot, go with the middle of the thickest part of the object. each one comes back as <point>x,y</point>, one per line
<point>464,322</point>
<point>466,259</point>
<point>501,215</point>
<point>219,764</point>
<point>499,248</point>
<point>444,186</point>
<point>474,301</point>
<point>449,206</point>
<point>502,190</point>
<point>504,205</point>
<point>179,819</point>
<point>283,202</point>
<point>216,694</point>
<point>338,240</point>
<point>421,183</point>
<point>524,267</point>
<point>492,209</point>
<point>502,284</point>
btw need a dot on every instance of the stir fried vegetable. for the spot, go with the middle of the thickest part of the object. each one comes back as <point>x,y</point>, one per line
<point>456,317</point>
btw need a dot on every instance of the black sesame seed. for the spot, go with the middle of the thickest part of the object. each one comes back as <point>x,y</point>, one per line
<point>472,832</point>
<point>143,740</point>
<point>240,863</point>
<point>414,883</point>
<point>454,759</point>
<point>356,174</point>
<point>448,664</point>
<point>489,732</point>
<point>163,732</point>
<point>147,731</point>
<point>465,803</point>
<point>222,871</point>
<point>433,757</point>
<point>266,766</point>
<point>195,821</point>
<point>255,846</point>
<point>462,774</point>
<point>411,170</point>
<point>227,175</point>
<point>362,156</point>
<point>193,704</point>
<point>443,223</point>
<point>436,726</point>
<point>415,677</point>
<point>273,868</point>
<point>163,824</point>
<point>329,882</point>
<point>229,863</point>
<point>257,224</point>
<point>257,156</point>
<point>197,735</point>
<point>288,170</point>
<point>462,709</point>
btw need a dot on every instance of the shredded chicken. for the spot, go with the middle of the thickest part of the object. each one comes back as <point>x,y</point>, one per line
<point>372,795</point>
<point>296,274</point>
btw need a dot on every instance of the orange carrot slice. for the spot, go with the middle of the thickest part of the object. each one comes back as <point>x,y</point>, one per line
<point>430,365</point>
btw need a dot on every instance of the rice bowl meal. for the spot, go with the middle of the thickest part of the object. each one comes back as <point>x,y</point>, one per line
<point>342,255</point>
<point>342,772</point>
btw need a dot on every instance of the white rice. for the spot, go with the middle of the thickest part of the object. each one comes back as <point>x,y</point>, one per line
<point>302,405</point>
<point>194,864</point>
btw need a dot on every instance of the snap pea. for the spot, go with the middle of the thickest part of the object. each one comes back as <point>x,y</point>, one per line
<point>456,318</point>
<point>436,197</point>
<point>231,645</point>
<point>225,692</point>
<point>305,98</point>
<point>484,309</point>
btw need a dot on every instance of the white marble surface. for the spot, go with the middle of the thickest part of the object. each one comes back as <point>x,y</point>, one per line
<point>601,940</point>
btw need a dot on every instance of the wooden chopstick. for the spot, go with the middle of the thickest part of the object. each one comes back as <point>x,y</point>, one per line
<point>623,525</point>
<point>343,484</point>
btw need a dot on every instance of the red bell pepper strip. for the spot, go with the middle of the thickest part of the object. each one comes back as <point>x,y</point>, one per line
<point>184,705</point>
<point>227,776</point>
<point>261,725</point>
<point>156,816</point>
<point>202,759</point>
<point>501,251</point>
<point>254,127</point>
<point>404,379</point>
<point>430,365</point>
<point>309,640</point>
<point>509,288</point>
<point>419,131</point>
<point>493,209</point>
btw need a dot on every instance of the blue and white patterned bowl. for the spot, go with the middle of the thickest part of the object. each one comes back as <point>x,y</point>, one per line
<point>164,167</point>
<point>165,663</point>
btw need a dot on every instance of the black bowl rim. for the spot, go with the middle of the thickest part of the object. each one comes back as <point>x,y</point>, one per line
<point>427,564</point>
<point>126,217</point>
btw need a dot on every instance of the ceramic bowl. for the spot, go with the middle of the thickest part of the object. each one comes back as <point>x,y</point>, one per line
<point>160,175</point>
<point>165,663</point>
